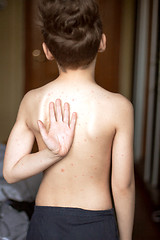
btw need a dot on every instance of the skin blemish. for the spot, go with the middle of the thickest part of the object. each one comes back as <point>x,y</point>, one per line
<point>95,168</point>
<point>72,164</point>
<point>62,169</point>
<point>75,176</point>
<point>81,190</point>
<point>91,156</point>
<point>91,176</point>
<point>83,175</point>
<point>85,139</point>
<point>72,99</point>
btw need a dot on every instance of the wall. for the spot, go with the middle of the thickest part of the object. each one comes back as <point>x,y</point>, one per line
<point>127,48</point>
<point>11,64</point>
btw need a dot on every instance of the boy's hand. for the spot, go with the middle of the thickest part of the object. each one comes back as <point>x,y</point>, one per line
<point>59,137</point>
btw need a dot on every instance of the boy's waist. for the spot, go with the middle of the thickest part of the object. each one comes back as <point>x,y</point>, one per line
<point>82,197</point>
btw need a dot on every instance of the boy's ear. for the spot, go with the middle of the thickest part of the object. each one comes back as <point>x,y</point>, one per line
<point>102,45</point>
<point>48,54</point>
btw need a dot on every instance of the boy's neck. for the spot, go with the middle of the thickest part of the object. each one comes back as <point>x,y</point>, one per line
<point>79,75</point>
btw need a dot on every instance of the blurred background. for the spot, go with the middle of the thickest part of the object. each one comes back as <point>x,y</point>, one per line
<point>130,65</point>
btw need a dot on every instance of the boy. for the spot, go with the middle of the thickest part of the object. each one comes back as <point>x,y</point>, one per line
<point>74,199</point>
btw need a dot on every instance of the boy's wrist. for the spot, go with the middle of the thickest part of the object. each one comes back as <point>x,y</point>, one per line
<point>53,155</point>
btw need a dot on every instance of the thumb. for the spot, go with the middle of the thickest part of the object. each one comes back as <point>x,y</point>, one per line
<point>42,129</point>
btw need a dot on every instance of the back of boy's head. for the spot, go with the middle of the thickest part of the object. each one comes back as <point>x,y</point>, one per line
<point>72,31</point>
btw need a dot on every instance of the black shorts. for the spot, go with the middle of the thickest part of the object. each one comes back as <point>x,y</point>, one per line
<point>66,223</point>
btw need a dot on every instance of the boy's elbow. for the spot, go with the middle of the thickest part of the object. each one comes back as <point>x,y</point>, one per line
<point>123,187</point>
<point>8,177</point>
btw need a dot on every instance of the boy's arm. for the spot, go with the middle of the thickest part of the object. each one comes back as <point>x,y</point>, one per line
<point>19,163</point>
<point>123,186</point>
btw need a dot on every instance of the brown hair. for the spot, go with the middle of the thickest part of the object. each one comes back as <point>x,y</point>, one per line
<point>72,30</point>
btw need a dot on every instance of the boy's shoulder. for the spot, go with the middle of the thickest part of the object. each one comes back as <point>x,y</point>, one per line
<point>28,102</point>
<point>32,96</point>
<point>118,108</point>
<point>117,100</point>
<point>122,110</point>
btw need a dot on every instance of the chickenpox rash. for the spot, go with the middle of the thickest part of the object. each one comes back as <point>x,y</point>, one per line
<point>49,94</point>
<point>17,141</point>
<point>75,176</point>
<point>91,176</point>
<point>62,170</point>
<point>91,156</point>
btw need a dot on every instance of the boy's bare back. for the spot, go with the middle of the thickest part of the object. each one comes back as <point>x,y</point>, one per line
<point>82,178</point>
<point>81,162</point>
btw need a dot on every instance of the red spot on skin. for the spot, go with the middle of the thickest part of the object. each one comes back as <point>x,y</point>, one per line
<point>73,99</point>
<point>91,176</point>
<point>83,175</point>
<point>75,176</point>
<point>91,156</point>
<point>81,189</point>
<point>85,139</point>
<point>72,164</point>
<point>95,168</point>
<point>62,170</point>
<point>49,94</point>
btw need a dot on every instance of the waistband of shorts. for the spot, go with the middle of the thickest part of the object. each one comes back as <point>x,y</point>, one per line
<point>74,211</point>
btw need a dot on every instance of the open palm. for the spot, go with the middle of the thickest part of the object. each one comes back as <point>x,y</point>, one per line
<point>59,137</point>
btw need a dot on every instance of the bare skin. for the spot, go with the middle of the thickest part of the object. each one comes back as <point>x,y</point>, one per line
<point>79,176</point>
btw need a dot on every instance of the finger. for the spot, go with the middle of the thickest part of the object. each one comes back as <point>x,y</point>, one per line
<point>66,113</point>
<point>42,129</point>
<point>58,110</point>
<point>52,112</point>
<point>73,121</point>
